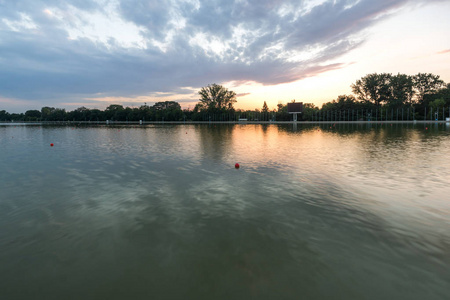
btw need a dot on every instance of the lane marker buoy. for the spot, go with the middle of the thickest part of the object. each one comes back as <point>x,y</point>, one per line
<point>51,145</point>
<point>236,166</point>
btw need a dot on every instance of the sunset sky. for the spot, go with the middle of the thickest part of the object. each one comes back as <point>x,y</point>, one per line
<point>94,53</point>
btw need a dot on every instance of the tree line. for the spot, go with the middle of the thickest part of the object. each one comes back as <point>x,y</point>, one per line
<point>389,97</point>
<point>375,96</point>
<point>216,103</point>
<point>168,110</point>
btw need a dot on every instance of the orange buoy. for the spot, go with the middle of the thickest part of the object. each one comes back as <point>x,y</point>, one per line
<point>236,166</point>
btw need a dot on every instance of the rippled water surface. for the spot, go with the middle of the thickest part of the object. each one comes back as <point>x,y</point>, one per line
<point>159,212</point>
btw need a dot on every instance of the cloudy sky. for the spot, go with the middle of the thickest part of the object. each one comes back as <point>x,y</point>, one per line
<point>94,53</point>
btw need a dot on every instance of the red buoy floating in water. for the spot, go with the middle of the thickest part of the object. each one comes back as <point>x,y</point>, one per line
<point>51,145</point>
<point>236,166</point>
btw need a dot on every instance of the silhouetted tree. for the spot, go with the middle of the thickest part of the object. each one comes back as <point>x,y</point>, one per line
<point>265,108</point>
<point>426,83</point>
<point>167,110</point>
<point>216,98</point>
<point>32,115</point>
<point>309,111</point>
<point>53,114</point>
<point>374,88</point>
<point>4,116</point>
<point>115,112</point>
<point>402,90</point>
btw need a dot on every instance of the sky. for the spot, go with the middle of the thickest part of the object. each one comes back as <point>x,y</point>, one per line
<point>94,53</point>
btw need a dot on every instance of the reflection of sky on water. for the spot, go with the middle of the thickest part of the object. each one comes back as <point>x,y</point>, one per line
<point>312,210</point>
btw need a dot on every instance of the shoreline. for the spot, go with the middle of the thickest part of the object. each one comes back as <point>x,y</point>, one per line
<point>67,123</point>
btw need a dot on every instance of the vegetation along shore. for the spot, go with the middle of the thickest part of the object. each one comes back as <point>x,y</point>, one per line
<point>376,97</point>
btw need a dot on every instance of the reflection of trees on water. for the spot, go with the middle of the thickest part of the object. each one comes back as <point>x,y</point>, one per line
<point>388,133</point>
<point>266,234</point>
<point>215,140</point>
<point>296,128</point>
<point>265,128</point>
<point>398,156</point>
<point>393,128</point>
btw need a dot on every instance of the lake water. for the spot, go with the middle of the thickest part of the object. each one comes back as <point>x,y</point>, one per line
<point>345,211</point>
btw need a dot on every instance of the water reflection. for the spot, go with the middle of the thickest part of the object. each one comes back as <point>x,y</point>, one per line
<point>215,140</point>
<point>160,212</point>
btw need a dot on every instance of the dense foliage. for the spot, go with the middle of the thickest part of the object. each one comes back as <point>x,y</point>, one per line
<point>393,97</point>
<point>215,98</point>
<point>160,111</point>
<point>376,97</point>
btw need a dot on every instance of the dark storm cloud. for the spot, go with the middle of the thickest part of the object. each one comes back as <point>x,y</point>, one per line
<point>39,62</point>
